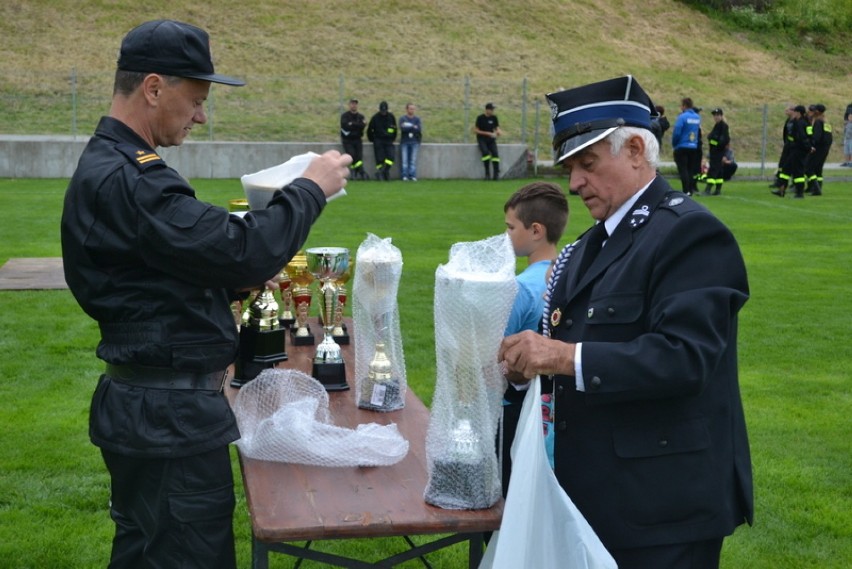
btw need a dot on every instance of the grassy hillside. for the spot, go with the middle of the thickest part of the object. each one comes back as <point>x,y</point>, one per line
<point>302,59</point>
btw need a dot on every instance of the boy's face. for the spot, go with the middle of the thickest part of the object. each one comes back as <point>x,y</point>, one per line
<point>523,238</point>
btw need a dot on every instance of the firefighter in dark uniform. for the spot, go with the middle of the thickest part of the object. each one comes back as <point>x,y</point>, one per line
<point>158,269</point>
<point>780,178</point>
<point>717,140</point>
<point>821,138</point>
<point>382,132</point>
<point>797,146</point>
<point>487,129</point>
<point>352,125</point>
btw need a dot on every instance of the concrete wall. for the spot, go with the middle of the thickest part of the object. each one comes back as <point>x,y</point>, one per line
<point>56,157</point>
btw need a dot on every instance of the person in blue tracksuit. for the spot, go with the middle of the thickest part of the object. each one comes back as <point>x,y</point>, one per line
<point>686,142</point>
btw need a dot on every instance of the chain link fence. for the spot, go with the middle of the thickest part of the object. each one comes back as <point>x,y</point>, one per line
<point>307,109</point>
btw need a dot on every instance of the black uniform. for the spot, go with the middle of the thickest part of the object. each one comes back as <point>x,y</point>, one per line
<point>382,132</point>
<point>157,269</point>
<point>821,139</point>
<point>488,144</point>
<point>352,127</point>
<point>717,140</point>
<point>797,146</point>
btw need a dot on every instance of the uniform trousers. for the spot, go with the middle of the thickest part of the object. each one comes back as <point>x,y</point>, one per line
<point>172,513</point>
<point>695,555</point>
<point>355,149</point>
<point>688,161</point>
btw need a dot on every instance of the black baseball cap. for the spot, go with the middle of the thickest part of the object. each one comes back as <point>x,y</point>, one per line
<point>489,105</point>
<point>171,48</point>
<point>717,111</point>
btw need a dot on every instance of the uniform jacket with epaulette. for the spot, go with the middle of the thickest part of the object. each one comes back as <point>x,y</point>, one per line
<point>157,269</point>
<point>655,450</point>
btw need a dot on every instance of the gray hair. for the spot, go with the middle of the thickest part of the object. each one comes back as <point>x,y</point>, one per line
<point>621,135</point>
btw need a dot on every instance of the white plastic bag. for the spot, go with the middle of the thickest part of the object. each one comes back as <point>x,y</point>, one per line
<point>541,526</point>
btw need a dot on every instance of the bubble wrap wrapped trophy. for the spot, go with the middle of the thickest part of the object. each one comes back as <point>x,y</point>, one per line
<point>379,362</point>
<point>262,339</point>
<point>474,293</point>
<point>327,264</point>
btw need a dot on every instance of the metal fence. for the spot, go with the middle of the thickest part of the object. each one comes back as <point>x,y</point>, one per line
<point>307,109</point>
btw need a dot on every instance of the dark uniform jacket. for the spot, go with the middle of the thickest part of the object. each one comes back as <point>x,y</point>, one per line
<point>719,138</point>
<point>382,128</point>
<point>156,268</point>
<point>352,125</point>
<point>655,450</point>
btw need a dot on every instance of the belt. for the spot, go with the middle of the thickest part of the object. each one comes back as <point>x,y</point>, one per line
<point>165,378</point>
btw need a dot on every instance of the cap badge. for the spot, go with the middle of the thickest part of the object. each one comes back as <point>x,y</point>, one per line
<point>639,216</point>
<point>555,317</point>
<point>554,109</point>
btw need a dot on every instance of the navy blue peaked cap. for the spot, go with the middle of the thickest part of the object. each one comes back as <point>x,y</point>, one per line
<point>587,114</point>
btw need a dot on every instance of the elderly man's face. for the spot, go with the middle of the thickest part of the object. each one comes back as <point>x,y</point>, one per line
<point>603,181</point>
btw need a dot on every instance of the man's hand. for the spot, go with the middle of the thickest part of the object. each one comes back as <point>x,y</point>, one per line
<point>530,354</point>
<point>330,171</point>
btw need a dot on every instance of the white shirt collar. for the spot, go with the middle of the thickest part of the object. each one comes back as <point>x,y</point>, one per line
<point>612,221</point>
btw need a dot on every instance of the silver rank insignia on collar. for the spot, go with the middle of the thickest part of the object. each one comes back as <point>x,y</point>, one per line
<point>639,216</point>
<point>675,201</point>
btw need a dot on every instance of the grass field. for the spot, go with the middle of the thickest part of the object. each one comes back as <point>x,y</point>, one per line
<point>795,358</point>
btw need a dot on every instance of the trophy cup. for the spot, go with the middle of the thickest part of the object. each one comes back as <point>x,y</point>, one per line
<point>262,340</point>
<point>285,317</point>
<point>327,264</point>
<point>300,279</point>
<point>339,331</point>
<point>474,293</point>
<point>378,283</point>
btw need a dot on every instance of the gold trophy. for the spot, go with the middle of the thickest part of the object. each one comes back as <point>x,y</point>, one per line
<point>262,339</point>
<point>380,390</point>
<point>339,331</point>
<point>327,264</point>
<point>285,317</point>
<point>300,279</point>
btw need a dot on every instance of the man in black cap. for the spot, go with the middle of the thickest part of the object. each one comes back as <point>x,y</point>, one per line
<point>382,132</point>
<point>717,140</point>
<point>487,129</point>
<point>158,270</point>
<point>640,345</point>
<point>797,146</point>
<point>821,140</point>
<point>352,125</point>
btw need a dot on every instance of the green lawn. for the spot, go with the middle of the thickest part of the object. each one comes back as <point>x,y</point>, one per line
<point>794,360</point>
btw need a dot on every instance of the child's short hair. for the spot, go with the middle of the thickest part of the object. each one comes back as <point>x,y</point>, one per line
<point>541,202</point>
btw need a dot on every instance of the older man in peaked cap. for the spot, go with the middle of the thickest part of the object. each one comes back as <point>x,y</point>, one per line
<point>640,345</point>
<point>158,270</point>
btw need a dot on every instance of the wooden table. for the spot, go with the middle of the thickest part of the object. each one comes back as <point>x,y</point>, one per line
<point>292,502</point>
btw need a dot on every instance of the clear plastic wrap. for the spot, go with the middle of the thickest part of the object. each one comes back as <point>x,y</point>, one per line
<point>379,360</point>
<point>283,417</point>
<point>474,293</point>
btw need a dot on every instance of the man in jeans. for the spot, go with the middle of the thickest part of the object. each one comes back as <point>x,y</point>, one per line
<point>411,131</point>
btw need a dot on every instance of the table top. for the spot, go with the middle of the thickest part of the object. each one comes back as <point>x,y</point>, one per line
<point>293,502</point>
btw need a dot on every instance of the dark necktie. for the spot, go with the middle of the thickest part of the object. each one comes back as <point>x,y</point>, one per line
<point>594,241</point>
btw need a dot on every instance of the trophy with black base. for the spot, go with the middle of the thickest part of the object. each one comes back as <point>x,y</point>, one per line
<point>381,382</point>
<point>474,293</point>
<point>327,264</point>
<point>262,339</point>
